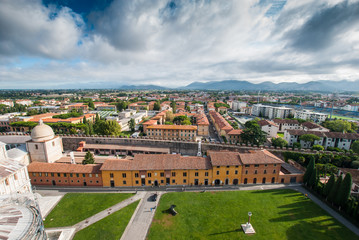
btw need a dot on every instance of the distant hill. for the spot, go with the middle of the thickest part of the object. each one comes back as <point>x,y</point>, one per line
<point>141,87</point>
<point>324,85</point>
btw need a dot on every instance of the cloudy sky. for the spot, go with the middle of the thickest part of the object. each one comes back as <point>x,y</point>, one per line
<point>108,43</point>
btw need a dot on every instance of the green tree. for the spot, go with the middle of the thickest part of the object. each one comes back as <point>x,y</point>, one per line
<point>318,147</point>
<point>344,190</point>
<point>84,121</point>
<point>132,124</point>
<point>328,186</point>
<point>309,138</point>
<point>309,171</point>
<point>121,105</point>
<point>180,119</point>
<point>186,122</point>
<point>279,142</point>
<point>89,159</point>
<point>338,126</point>
<point>87,130</point>
<point>91,104</point>
<point>313,179</point>
<point>297,145</point>
<point>173,106</point>
<point>333,193</point>
<point>355,147</point>
<point>157,106</point>
<point>253,133</point>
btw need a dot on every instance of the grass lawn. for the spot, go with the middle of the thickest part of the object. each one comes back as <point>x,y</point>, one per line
<point>75,207</point>
<point>126,133</point>
<point>277,214</point>
<point>280,135</point>
<point>111,227</point>
<point>344,118</point>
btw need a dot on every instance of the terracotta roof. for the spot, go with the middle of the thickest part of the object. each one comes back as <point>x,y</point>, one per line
<point>235,132</point>
<point>259,157</point>
<point>311,125</point>
<point>201,119</point>
<point>302,132</point>
<point>150,122</point>
<point>266,122</point>
<point>224,158</point>
<point>157,162</point>
<point>180,127</point>
<point>287,121</point>
<point>220,121</point>
<point>325,134</point>
<point>63,168</point>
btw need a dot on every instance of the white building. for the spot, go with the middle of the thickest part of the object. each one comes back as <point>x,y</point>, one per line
<point>238,105</point>
<point>44,146</point>
<point>14,177</point>
<point>269,127</point>
<point>287,124</point>
<point>309,115</point>
<point>271,112</point>
<point>351,107</point>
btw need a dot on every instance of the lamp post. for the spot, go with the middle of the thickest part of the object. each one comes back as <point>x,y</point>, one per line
<point>249,219</point>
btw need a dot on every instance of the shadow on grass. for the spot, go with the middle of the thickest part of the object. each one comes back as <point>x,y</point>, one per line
<point>219,233</point>
<point>314,230</point>
<point>277,192</point>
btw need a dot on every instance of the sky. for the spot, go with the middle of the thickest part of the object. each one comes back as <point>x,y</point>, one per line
<point>109,43</point>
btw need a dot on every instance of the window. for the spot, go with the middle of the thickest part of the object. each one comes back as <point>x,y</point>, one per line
<point>96,181</point>
<point>227,172</point>
<point>274,171</point>
<point>256,165</point>
<point>217,172</point>
<point>52,174</point>
<point>36,147</point>
<point>58,175</point>
<point>124,175</point>
<point>265,172</point>
<point>46,174</point>
<point>265,165</point>
<point>184,181</point>
<point>71,175</point>
<point>59,180</point>
<point>78,175</point>
<point>185,174</point>
<point>162,174</point>
<point>227,166</point>
<point>275,165</point>
<point>218,167</point>
<point>78,181</point>
<point>246,171</point>
<point>236,172</point>
<point>84,175</point>
<point>149,181</point>
<point>111,175</point>
<point>255,172</point>
<point>136,181</point>
<point>136,175</point>
<point>90,175</point>
<point>64,174</point>
<point>196,174</point>
<point>173,181</point>
<point>236,166</point>
<point>206,174</point>
<point>247,165</point>
<point>96,175</point>
<point>161,181</point>
<point>149,174</point>
<point>34,174</point>
<point>124,182</point>
<point>173,174</point>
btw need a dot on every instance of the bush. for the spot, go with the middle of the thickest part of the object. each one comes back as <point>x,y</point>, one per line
<point>297,145</point>
<point>334,149</point>
<point>318,148</point>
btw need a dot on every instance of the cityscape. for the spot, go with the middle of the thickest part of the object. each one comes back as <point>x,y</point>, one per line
<point>179,120</point>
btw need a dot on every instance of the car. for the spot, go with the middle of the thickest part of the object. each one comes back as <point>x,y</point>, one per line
<point>154,197</point>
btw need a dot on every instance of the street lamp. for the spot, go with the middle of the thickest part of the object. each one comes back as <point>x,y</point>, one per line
<point>249,219</point>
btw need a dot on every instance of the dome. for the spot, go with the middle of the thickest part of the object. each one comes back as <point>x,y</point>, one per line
<point>42,132</point>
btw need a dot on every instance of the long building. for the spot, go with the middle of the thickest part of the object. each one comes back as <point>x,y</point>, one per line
<point>183,132</point>
<point>218,168</point>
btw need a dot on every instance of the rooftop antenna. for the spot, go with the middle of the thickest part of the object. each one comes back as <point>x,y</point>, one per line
<point>199,153</point>
<point>258,96</point>
<point>72,158</point>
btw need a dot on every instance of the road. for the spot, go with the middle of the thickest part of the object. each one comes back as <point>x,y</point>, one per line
<point>212,132</point>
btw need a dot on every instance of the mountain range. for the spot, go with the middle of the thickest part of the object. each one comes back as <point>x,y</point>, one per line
<point>323,86</point>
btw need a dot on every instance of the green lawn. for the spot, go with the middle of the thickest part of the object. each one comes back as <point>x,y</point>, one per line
<point>277,214</point>
<point>75,207</point>
<point>344,118</point>
<point>280,135</point>
<point>111,227</point>
<point>126,133</point>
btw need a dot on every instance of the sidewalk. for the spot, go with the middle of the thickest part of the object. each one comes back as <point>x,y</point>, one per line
<point>141,221</point>
<point>329,210</point>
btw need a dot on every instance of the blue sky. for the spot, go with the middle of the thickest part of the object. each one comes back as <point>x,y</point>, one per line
<point>109,43</point>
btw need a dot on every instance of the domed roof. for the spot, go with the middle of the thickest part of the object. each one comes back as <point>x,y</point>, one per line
<point>42,132</point>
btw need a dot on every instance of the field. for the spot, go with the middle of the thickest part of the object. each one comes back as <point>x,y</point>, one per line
<point>344,118</point>
<point>111,227</point>
<point>280,135</point>
<point>75,207</point>
<point>277,214</point>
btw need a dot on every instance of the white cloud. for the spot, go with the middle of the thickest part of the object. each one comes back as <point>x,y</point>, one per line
<point>140,41</point>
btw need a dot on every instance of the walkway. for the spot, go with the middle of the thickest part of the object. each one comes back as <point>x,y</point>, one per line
<point>141,220</point>
<point>329,210</point>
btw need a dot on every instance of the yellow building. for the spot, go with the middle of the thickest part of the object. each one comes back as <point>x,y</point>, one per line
<point>156,170</point>
<point>185,132</point>
<point>226,167</point>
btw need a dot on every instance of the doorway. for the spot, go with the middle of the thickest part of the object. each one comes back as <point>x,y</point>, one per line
<point>196,182</point>
<point>112,183</point>
<point>235,182</point>
<point>155,183</point>
<point>264,180</point>
<point>53,183</point>
<point>273,179</point>
<point>227,181</point>
<point>85,184</point>
<point>206,182</point>
<point>168,181</point>
<point>143,182</point>
<point>255,180</point>
<point>217,182</point>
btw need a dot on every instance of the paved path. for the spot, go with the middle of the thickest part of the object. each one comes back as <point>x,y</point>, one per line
<point>329,210</point>
<point>97,217</point>
<point>141,220</point>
